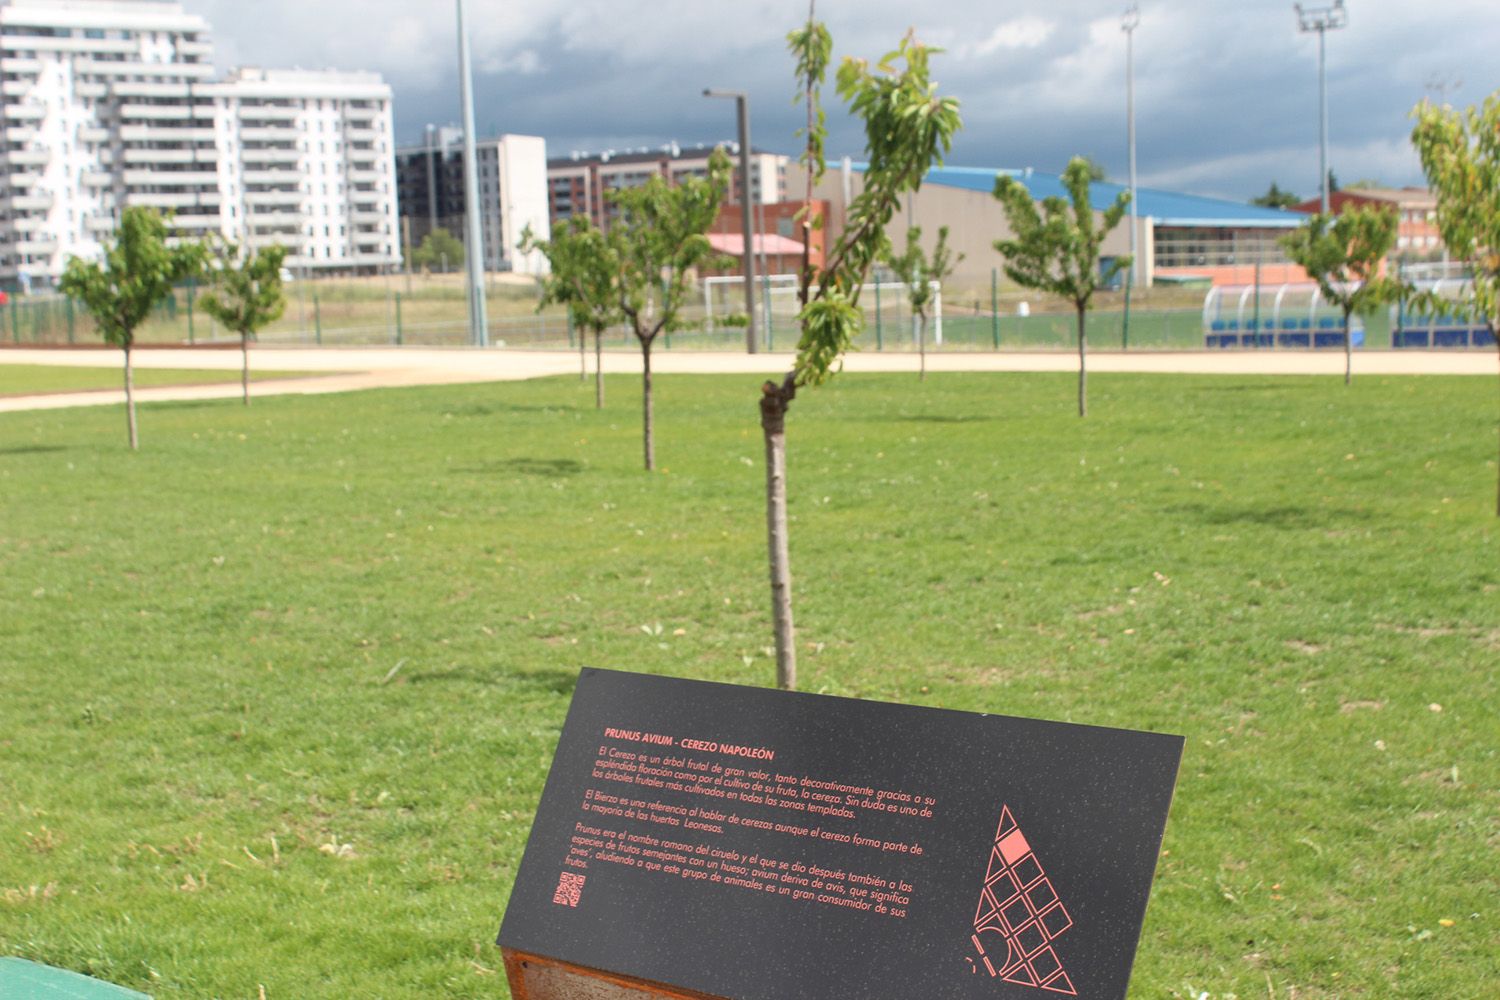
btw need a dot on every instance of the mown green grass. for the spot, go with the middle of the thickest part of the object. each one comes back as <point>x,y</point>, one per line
<point>356,620</point>
<point>27,380</point>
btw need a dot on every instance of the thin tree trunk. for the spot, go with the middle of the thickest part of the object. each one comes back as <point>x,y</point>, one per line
<point>922,347</point>
<point>245,367</point>
<point>583,355</point>
<point>598,369</point>
<point>1083,368</point>
<point>1348,353</point>
<point>774,401</point>
<point>130,401</point>
<point>650,430</point>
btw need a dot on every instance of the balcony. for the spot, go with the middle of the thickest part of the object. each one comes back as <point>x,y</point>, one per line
<point>92,133</point>
<point>16,65</point>
<point>157,133</point>
<point>268,113</point>
<point>283,176</point>
<point>32,202</point>
<point>134,88</point>
<point>93,91</point>
<point>203,50</point>
<point>176,178</point>
<point>98,179</point>
<point>137,155</point>
<point>258,198</point>
<point>153,199</point>
<point>365,177</point>
<point>267,134</point>
<point>25,112</point>
<point>197,223</point>
<point>269,155</point>
<point>30,157</point>
<point>368,218</point>
<point>292,241</point>
<point>24,180</point>
<point>99,224</point>
<point>157,112</point>
<point>352,134</point>
<point>181,71</point>
<point>37,248</point>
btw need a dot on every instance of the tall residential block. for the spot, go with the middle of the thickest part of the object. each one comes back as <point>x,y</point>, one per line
<point>114,103</point>
<point>306,160</point>
<point>512,193</point>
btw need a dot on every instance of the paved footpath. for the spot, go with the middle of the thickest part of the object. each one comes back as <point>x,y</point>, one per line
<point>323,370</point>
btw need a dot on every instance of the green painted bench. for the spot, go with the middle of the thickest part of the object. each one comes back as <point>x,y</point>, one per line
<point>23,980</point>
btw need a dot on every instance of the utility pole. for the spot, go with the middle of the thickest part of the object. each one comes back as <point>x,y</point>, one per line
<point>479,331</point>
<point>742,106</point>
<point>1322,20</point>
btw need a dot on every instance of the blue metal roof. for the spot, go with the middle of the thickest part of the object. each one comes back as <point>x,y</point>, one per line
<point>1166,208</point>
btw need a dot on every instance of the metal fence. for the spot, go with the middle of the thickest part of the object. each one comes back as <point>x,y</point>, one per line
<point>432,311</point>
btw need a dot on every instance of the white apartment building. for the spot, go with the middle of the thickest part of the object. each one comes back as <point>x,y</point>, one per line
<point>113,103</point>
<point>306,160</point>
<point>512,193</point>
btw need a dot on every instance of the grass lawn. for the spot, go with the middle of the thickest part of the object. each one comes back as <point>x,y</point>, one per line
<point>278,693</point>
<point>28,380</point>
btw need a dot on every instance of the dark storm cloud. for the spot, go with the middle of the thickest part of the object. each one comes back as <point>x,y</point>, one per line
<point>1226,92</point>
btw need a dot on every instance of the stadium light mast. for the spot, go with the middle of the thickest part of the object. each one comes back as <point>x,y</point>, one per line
<point>1128,24</point>
<point>742,107</point>
<point>1322,20</point>
<point>479,330</point>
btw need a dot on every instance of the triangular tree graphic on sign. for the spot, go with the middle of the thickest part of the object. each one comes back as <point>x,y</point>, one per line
<point>1019,915</point>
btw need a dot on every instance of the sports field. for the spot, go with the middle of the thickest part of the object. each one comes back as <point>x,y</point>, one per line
<point>278,692</point>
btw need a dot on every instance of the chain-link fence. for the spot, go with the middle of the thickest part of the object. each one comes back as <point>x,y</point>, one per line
<point>976,313</point>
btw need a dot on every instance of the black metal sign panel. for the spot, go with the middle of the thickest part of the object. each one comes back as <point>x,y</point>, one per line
<point>765,845</point>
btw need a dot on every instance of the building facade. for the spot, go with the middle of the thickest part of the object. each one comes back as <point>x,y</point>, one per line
<point>1417,237</point>
<point>578,183</point>
<point>306,161</point>
<point>512,194</point>
<point>114,103</point>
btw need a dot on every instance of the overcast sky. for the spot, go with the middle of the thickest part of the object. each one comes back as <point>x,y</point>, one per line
<point>1226,90</point>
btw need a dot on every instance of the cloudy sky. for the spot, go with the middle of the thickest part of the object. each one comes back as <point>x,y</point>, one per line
<point>1226,90</point>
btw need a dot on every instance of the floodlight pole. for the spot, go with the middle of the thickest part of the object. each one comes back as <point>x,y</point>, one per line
<point>1322,20</point>
<point>742,106</point>
<point>479,331</point>
<point>1128,24</point>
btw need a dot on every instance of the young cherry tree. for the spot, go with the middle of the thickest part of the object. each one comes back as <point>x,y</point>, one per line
<point>656,244</point>
<point>920,274</point>
<point>1343,255</point>
<point>1460,153</point>
<point>1057,249</point>
<point>582,275</point>
<point>138,272</point>
<point>908,128</point>
<point>246,297</point>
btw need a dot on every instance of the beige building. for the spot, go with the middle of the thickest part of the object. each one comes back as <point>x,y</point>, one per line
<point>1179,237</point>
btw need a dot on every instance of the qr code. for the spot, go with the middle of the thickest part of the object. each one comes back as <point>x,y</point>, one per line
<point>569,889</point>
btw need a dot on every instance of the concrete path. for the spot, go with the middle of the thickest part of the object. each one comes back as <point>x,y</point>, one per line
<point>324,370</point>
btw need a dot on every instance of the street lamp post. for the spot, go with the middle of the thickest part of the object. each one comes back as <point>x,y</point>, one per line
<point>742,106</point>
<point>479,331</point>
<point>1322,20</point>
<point>1128,23</point>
